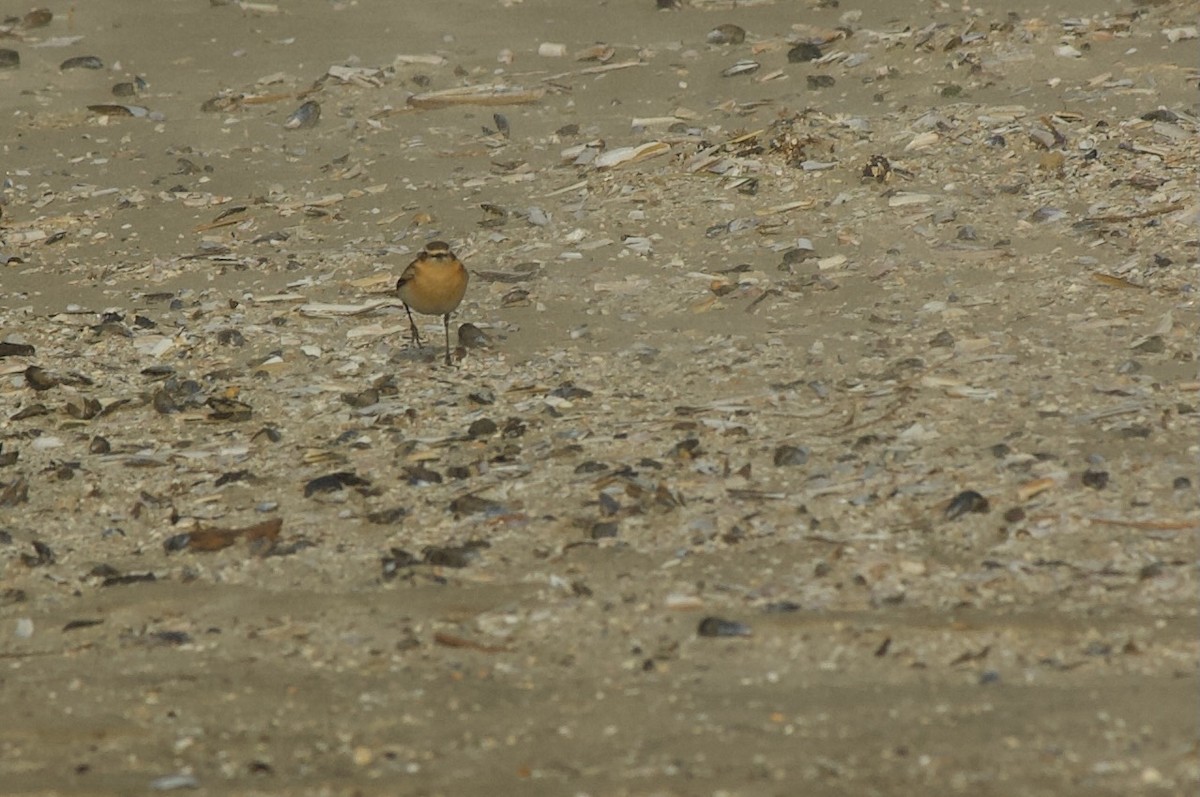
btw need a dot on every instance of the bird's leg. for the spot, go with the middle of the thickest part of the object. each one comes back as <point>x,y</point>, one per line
<point>446,324</point>
<point>416,336</point>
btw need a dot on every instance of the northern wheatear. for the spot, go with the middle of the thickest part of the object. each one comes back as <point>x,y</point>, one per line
<point>433,284</point>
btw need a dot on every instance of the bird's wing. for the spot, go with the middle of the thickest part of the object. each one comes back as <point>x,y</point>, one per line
<point>408,274</point>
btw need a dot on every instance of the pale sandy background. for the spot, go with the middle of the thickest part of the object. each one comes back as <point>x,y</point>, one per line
<point>1008,313</point>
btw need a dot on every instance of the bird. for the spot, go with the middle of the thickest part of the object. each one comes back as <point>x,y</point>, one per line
<point>433,284</point>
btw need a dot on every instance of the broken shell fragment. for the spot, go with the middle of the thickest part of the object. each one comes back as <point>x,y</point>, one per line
<point>743,67</point>
<point>624,156</point>
<point>114,109</point>
<point>81,62</point>
<point>726,34</point>
<point>597,52</point>
<point>37,18</point>
<point>475,95</point>
<point>965,502</point>
<point>304,117</point>
<point>718,627</point>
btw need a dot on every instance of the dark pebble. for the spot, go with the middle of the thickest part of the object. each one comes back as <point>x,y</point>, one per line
<point>9,59</point>
<point>332,482</point>
<point>1014,515</point>
<point>788,455</point>
<point>83,408</point>
<point>484,427</point>
<point>727,33</point>
<point>472,337</point>
<point>304,117</point>
<point>224,409</point>
<point>43,555</point>
<point>1096,479</point>
<point>455,556</point>
<point>129,578</point>
<point>1182,483</point>
<point>30,411</point>
<point>1152,570</point>
<point>363,398</point>
<point>229,477</point>
<point>177,542</point>
<point>1160,115</point>
<point>475,505</point>
<point>8,349</point>
<point>794,257</point>
<point>398,559</point>
<point>420,475</point>
<point>459,472</point>
<point>816,82</point>
<point>803,52</point>
<point>965,502</point>
<point>75,625</point>
<point>37,18</point>
<point>165,403</point>
<point>942,340</point>
<point>82,62</point>
<point>38,379</point>
<point>270,433</point>
<point>14,492</point>
<point>231,337</point>
<point>387,517</point>
<point>609,505</point>
<point>717,627</point>
<point>570,392</point>
<point>590,466</point>
<point>483,397</point>
<point>158,371</point>
<point>1152,345</point>
<point>603,529</point>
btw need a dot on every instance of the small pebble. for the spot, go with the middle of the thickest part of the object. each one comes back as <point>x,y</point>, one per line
<point>718,627</point>
<point>788,455</point>
<point>803,52</point>
<point>965,502</point>
<point>726,34</point>
<point>82,62</point>
<point>304,117</point>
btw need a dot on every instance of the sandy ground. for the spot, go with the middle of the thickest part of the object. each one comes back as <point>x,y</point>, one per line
<point>841,440</point>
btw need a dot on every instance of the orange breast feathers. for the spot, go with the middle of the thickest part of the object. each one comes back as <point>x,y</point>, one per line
<point>434,283</point>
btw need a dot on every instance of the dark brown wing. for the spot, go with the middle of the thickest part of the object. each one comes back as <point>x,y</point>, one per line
<point>409,273</point>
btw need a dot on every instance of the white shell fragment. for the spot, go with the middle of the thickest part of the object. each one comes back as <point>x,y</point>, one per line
<point>476,95</point>
<point>627,156</point>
